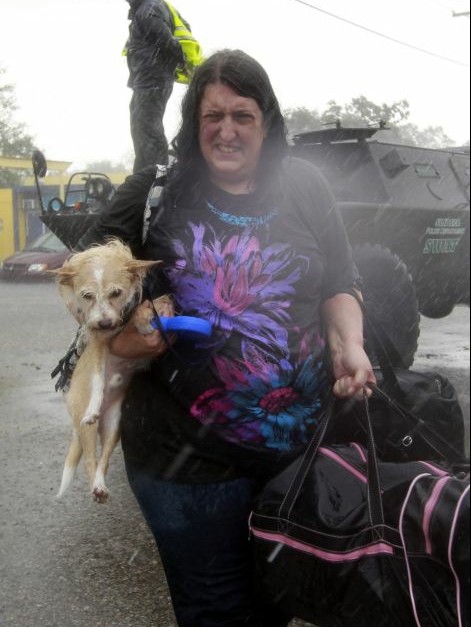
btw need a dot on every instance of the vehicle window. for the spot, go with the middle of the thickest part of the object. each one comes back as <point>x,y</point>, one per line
<point>75,196</point>
<point>426,170</point>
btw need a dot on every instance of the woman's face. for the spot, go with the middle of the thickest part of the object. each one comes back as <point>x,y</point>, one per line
<point>231,135</point>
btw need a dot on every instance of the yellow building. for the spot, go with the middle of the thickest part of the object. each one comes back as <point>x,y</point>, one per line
<point>21,206</point>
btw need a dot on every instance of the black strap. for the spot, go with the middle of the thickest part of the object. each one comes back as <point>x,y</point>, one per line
<point>65,367</point>
<point>375,504</point>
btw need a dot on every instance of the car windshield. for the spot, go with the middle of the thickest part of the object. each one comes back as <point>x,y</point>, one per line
<point>47,242</point>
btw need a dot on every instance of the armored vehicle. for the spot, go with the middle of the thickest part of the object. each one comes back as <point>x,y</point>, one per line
<point>406,210</point>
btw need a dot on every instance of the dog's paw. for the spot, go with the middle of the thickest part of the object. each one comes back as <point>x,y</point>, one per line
<point>142,318</point>
<point>164,306</point>
<point>144,314</point>
<point>89,419</point>
<point>100,493</point>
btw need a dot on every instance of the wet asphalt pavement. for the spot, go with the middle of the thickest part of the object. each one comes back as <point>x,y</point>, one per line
<point>72,562</point>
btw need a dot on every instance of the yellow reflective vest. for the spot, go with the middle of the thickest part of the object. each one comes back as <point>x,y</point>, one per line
<point>191,48</point>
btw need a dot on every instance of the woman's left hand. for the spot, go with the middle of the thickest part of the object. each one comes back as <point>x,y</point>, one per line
<point>352,371</point>
<point>351,366</point>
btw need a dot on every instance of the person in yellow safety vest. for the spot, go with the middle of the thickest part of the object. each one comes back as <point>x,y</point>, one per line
<point>160,51</point>
<point>191,48</point>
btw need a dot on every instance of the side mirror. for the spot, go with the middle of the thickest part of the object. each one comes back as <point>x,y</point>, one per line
<point>40,171</point>
<point>39,164</point>
<point>55,205</point>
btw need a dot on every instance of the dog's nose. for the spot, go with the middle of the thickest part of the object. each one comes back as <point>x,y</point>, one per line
<point>106,324</point>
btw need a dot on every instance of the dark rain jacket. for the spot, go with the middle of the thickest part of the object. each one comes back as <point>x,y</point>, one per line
<point>123,217</point>
<point>153,53</point>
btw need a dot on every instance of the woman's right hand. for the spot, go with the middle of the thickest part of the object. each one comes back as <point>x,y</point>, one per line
<point>132,344</point>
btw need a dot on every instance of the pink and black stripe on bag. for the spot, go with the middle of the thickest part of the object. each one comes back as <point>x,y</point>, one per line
<point>341,539</point>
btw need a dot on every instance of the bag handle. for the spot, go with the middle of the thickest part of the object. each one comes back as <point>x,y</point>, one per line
<point>375,504</point>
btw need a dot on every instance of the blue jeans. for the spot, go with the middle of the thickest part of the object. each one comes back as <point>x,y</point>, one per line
<point>202,533</point>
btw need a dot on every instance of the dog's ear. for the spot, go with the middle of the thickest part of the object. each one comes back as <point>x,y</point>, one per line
<point>71,302</point>
<point>64,275</point>
<point>64,278</point>
<point>139,267</point>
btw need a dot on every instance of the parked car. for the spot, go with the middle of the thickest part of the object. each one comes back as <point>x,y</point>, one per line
<point>47,252</point>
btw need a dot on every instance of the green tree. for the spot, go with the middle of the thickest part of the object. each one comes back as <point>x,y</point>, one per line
<point>363,112</point>
<point>14,138</point>
<point>106,167</point>
<point>429,137</point>
<point>302,120</point>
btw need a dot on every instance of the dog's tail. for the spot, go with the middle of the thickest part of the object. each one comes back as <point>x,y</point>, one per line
<point>70,466</point>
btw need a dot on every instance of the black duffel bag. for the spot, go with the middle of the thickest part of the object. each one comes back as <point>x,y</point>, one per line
<point>415,415</point>
<point>343,539</point>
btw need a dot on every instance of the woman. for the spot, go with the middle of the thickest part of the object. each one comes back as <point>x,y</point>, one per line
<point>252,241</point>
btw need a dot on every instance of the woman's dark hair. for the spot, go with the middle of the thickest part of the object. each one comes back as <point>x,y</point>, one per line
<point>248,79</point>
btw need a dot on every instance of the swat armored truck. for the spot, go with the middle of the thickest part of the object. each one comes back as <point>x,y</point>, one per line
<point>406,210</point>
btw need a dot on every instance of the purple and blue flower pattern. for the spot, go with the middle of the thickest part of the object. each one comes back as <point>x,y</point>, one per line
<point>269,372</point>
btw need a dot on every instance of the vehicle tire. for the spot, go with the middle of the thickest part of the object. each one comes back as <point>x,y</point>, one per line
<point>436,311</point>
<point>390,300</point>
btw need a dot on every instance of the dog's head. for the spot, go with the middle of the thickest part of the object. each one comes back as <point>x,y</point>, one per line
<point>102,285</point>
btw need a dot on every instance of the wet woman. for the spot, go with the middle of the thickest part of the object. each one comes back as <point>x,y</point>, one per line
<point>252,241</point>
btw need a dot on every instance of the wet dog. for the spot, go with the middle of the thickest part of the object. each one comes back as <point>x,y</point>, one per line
<point>101,288</point>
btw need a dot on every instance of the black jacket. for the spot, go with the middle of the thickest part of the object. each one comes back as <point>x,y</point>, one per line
<point>153,53</point>
<point>123,217</point>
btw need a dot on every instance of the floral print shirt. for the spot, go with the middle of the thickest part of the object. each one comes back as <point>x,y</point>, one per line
<point>258,268</point>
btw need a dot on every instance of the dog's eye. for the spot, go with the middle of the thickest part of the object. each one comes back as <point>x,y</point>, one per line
<point>87,296</point>
<point>116,293</point>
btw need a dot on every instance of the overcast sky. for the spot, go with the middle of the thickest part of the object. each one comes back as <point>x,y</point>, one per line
<point>64,58</point>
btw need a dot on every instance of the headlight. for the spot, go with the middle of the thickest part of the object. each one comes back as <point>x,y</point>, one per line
<point>34,268</point>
